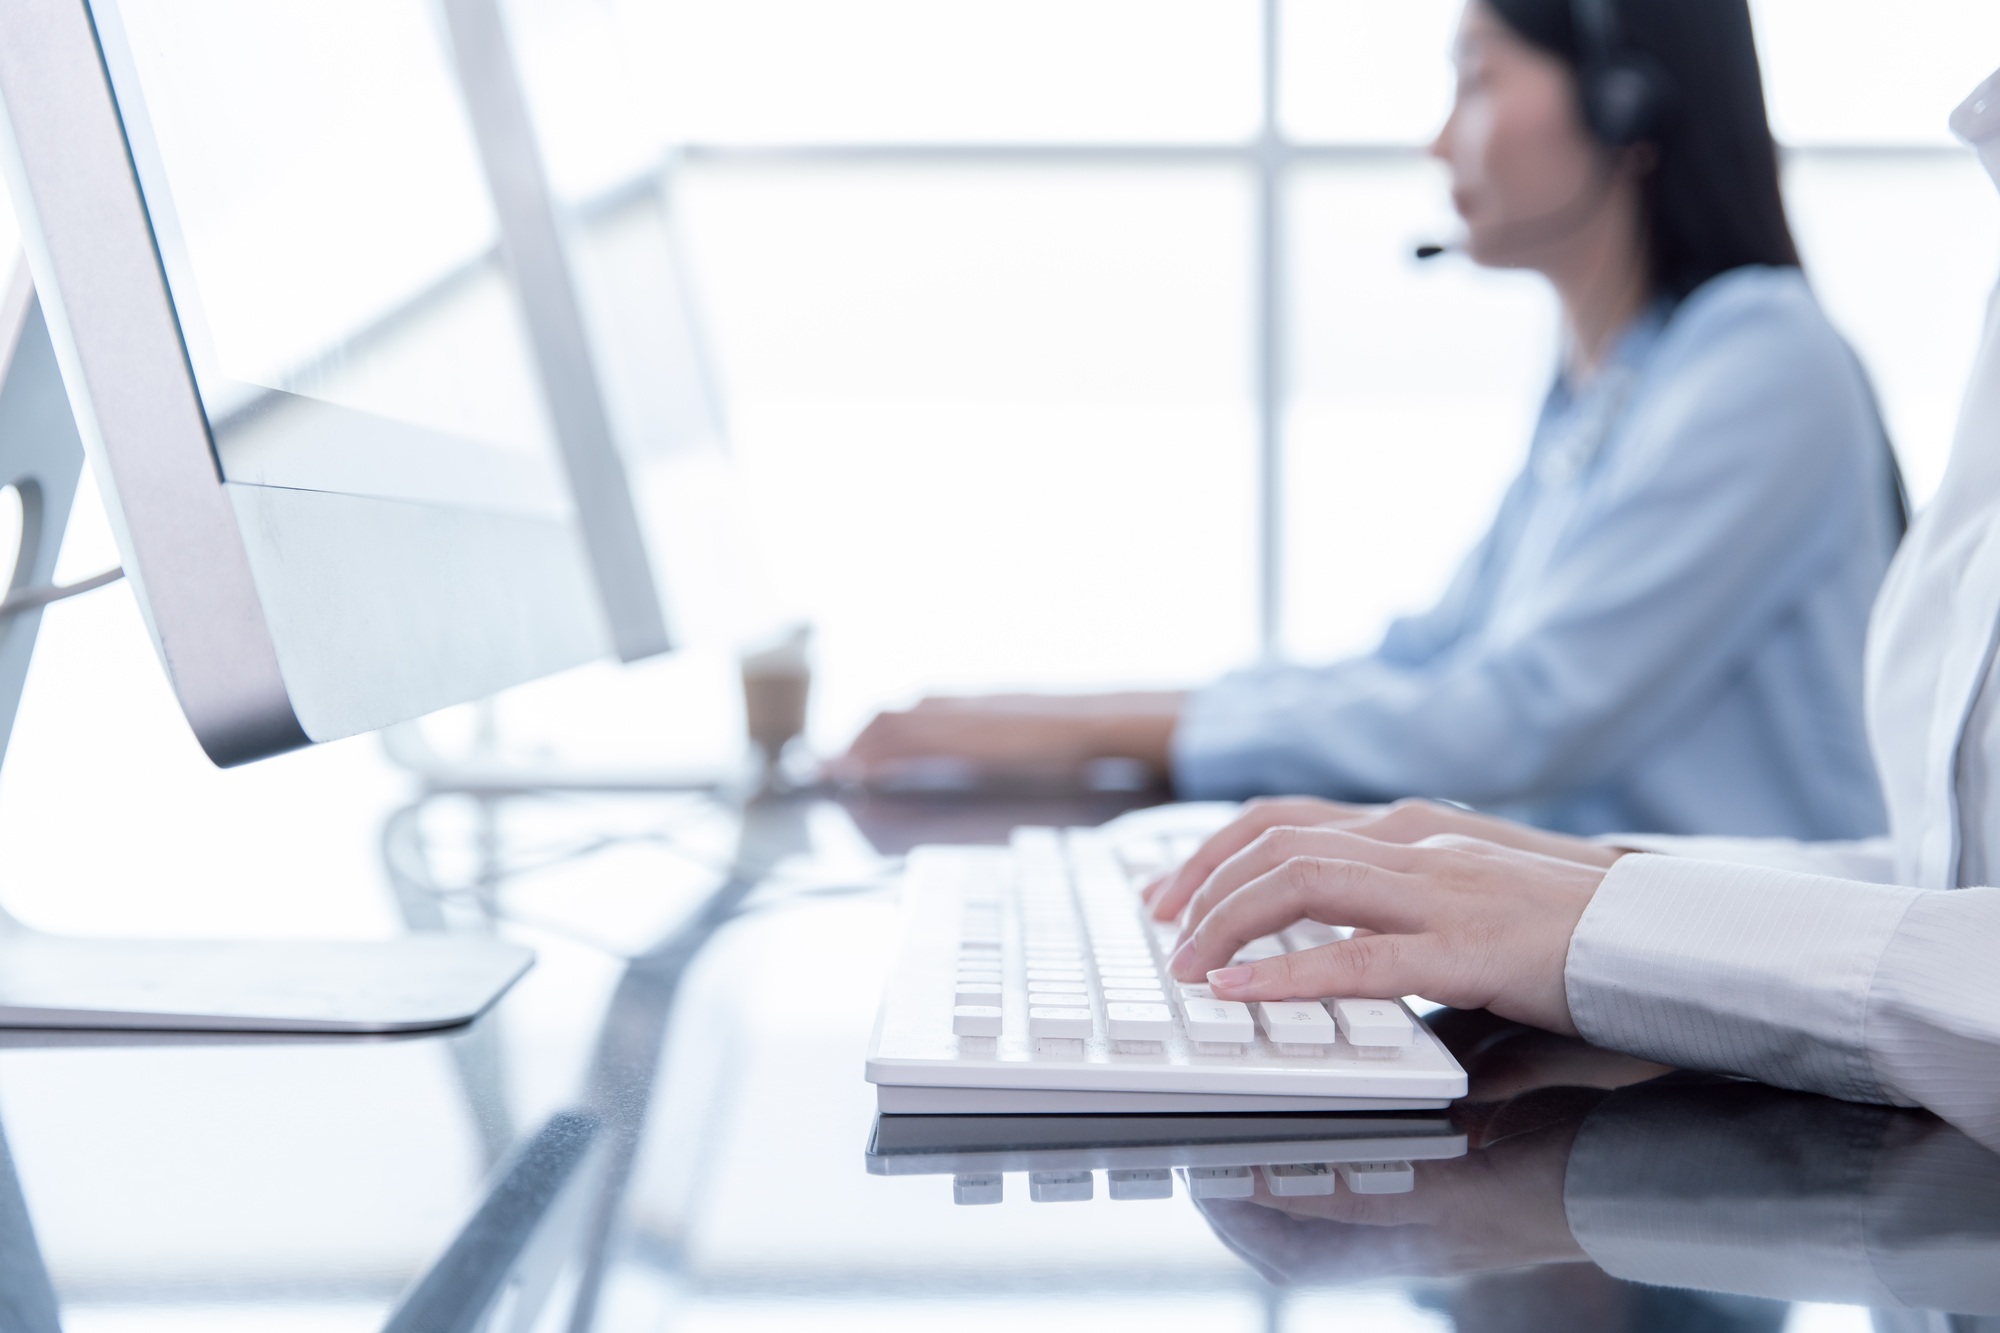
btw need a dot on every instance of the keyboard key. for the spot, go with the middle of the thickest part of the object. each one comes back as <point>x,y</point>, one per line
<point>1301,1182</point>
<point>1297,1022</point>
<point>1075,974</point>
<point>1060,1186</point>
<point>1156,1183</point>
<point>1379,1177</point>
<point>977,993</point>
<point>1135,996</point>
<point>1143,966</point>
<point>975,1020</point>
<point>1138,1022</point>
<point>1051,1022</point>
<point>1221,1182</point>
<point>1051,1000</point>
<point>985,1187</point>
<point>1060,987</point>
<point>1374,1023</point>
<point>1222,1021</point>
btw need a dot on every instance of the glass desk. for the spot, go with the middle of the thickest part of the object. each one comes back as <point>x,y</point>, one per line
<point>664,1126</point>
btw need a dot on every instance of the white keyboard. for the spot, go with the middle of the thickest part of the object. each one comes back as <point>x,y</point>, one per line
<point>1032,983</point>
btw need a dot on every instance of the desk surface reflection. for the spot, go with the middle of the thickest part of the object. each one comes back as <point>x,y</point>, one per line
<point>665,1126</point>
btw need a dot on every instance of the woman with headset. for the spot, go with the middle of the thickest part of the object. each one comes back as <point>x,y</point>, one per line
<point>1663,628</point>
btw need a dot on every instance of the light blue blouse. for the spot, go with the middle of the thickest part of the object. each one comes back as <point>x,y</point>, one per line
<point>1663,630</point>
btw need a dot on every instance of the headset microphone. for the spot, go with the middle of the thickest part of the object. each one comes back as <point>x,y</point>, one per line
<point>1627,99</point>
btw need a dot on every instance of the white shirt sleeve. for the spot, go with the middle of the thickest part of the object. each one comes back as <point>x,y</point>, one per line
<point>1872,860</point>
<point>1868,992</point>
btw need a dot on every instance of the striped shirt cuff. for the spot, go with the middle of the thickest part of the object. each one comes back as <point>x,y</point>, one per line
<point>1740,969</point>
<point>1869,859</point>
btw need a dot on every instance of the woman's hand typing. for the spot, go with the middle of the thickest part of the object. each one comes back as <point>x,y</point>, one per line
<point>1461,920</point>
<point>1404,822</point>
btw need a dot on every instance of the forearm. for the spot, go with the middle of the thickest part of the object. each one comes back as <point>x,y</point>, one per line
<point>1867,992</point>
<point>1547,712</point>
<point>1734,968</point>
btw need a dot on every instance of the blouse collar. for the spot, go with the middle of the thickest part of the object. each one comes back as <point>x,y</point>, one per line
<point>1977,122</point>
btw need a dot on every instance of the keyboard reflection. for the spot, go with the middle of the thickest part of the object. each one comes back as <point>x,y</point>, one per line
<point>1213,1156</point>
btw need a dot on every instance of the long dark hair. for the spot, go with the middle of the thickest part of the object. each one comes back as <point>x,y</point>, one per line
<point>1712,199</point>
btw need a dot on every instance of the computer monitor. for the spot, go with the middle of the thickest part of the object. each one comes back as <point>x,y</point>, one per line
<point>347,469</point>
<point>351,443</point>
<point>586,190</point>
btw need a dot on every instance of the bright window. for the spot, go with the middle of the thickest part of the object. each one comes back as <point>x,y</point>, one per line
<point>993,288</point>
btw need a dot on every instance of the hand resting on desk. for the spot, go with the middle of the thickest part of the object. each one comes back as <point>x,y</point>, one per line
<point>1012,737</point>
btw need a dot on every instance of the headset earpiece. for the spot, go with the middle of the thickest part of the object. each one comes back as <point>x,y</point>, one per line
<point>1625,102</point>
<point>1626,95</point>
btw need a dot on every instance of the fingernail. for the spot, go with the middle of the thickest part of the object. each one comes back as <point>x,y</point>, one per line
<point>1229,978</point>
<point>1180,957</point>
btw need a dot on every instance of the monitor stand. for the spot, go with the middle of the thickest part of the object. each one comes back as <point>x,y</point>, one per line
<point>48,981</point>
